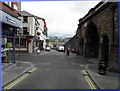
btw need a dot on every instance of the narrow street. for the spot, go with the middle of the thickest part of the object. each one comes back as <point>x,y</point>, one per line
<point>59,45</point>
<point>55,70</point>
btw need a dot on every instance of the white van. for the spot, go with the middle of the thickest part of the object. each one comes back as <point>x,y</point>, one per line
<point>61,48</point>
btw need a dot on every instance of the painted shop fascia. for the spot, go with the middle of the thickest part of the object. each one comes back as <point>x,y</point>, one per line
<point>10,20</point>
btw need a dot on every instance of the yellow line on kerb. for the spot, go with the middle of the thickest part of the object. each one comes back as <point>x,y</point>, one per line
<point>32,69</point>
<point>9,86</point>
<point>89,81</point>
<point>16,81</point>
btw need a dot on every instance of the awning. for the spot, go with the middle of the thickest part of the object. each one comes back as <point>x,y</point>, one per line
<point>10,20</point>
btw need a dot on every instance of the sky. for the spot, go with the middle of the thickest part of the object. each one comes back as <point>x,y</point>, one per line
<point>61,16</point>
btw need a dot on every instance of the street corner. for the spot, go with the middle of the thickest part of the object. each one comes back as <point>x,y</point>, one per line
<point>27,66</point>
<point>16,74</point>
<point>18,79</point>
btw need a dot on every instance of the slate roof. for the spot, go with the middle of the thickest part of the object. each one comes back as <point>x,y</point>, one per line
<point>25,13</point>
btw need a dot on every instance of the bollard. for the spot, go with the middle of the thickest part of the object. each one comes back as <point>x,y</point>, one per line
<point>102,64</point>
<point>102,68</point>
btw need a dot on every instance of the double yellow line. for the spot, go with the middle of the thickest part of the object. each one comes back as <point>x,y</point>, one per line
<point>89,81</point>
<point>9,86</point>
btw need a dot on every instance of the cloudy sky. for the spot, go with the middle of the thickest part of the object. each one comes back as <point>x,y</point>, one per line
<point>61,16</point>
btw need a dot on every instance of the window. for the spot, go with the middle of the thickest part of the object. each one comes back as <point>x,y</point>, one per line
<point>23,43</point>
<point>25,31</point>
<point>25,19</point>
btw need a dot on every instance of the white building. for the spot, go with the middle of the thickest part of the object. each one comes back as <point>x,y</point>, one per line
<point>41,32</point>
<point>34,32</point>
<point>28,36</point>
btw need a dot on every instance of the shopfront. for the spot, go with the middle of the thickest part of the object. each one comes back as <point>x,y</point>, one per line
<point>10,25</point>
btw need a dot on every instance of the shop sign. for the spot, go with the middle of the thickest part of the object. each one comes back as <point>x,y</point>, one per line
<point>10,20</point>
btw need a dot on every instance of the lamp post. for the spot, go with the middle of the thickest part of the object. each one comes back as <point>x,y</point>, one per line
<point>20,33</point>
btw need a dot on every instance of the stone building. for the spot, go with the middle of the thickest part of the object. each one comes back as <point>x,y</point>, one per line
<point>100,27</point>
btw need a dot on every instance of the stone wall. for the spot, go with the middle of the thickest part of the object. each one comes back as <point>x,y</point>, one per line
<point>105,17</point>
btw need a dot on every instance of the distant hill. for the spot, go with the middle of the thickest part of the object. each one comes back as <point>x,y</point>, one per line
<point>58,37</point>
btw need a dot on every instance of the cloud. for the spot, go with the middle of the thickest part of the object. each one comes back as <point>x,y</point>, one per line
<point>84,6</point>
<point>61,16</point>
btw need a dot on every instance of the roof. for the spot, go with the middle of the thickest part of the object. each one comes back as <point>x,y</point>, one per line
<point>39,18</point>
<point>25,13</point>
<point>36,17</point>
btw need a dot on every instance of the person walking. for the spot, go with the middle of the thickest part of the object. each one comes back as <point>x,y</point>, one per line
<point>68,51</point>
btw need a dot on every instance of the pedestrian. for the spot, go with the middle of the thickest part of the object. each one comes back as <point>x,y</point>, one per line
<point>38,51</point>
<point>68,51</point>
<point>77,52</point>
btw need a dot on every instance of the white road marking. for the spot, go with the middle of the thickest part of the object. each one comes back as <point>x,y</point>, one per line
<point>44,63</point>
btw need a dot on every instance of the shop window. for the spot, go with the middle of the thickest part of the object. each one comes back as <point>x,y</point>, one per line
<point>25,19</point>
<point>7,32</point>
<point>23,43</point>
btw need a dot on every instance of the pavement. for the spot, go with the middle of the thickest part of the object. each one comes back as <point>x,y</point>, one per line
<point>109,81</point>
<point>12,71</point>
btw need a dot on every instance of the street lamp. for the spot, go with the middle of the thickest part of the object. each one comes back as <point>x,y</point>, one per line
<point>20,33</point>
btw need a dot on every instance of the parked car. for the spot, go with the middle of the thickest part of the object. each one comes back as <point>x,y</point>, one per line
<point>47,48</point>
<point>61,48</point>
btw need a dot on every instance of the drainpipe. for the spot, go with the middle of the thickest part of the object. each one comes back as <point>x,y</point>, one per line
<point>14,45</point>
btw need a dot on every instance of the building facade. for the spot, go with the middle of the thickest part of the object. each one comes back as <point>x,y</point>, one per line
<point>28,35</point>
<point>41,32</point>
<point>34,32</point>
<point>10,23</point>
<point>97,34</point>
